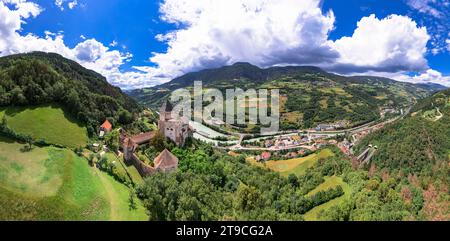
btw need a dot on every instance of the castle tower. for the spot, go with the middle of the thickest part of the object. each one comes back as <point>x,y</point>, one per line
<point>176,129</point>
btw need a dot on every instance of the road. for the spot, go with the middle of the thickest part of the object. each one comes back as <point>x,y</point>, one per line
<point>238,146</point>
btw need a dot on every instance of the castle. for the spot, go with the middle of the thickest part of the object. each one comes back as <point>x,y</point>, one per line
<point>175,128</point>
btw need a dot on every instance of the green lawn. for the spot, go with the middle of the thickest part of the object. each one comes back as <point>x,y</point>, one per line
<point>124,169</point>
<point>54,184</point>
<point>49,123</point>
<point>119,196</point>
<point>330,182</point>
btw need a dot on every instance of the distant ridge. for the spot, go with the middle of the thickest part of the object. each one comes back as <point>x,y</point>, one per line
<point>310,95</point>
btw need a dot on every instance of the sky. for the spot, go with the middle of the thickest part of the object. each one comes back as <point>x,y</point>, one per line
<point>136,43</point>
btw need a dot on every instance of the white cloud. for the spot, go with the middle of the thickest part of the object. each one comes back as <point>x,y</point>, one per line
<point>70,4</point>
<point>425,6</point>
<point>90,53</point>
<point>428,76</point>
<point>447,41</point>
<point>59,4</point>
<point>214,33</point>
<point>113,43</point>
<point>435,14</point>
<point>392,44</point>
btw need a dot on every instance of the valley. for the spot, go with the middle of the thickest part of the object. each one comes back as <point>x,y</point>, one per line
<point>349,148</point>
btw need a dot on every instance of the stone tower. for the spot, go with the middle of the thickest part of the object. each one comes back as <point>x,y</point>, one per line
<point>175,128</point>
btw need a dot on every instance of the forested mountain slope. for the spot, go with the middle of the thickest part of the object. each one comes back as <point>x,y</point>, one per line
<point>309,95</point>
<point>420,142</point>
<point>44,78</point>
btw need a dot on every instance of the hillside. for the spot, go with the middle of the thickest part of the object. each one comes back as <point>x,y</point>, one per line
<point>46,123</point>
<point>420,142</point>
<point>51,183</point>
<point>44,78</point>
<point>309,95</point>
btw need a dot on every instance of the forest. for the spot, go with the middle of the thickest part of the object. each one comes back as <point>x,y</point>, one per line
<point>211,185</point>
<point>40,78</point>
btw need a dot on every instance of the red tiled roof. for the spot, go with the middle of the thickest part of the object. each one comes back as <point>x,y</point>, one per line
<point>265,155</point>
<point>106,125</point>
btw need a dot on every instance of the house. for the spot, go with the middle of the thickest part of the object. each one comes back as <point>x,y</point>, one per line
<point>265,156</point>
<point>106,127</point>
<point>258,158</point>
<point>291,155</point>
<point>165,161</point>
<point>269,143</point>
<point>176,128</point>
<point>325,127</point>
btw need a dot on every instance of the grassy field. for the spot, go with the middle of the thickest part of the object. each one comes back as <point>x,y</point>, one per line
<point>330,182</point>
<point>297,165</point>
<point>119,195</point>
<point>49,123</point>
<point>124,169</point>
<point>54,184</point>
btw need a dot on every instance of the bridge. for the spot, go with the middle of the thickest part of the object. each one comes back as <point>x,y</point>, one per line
<point>365,157</point>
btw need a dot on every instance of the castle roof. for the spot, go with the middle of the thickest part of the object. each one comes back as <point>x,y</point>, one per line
<point>165,160</point>
<point>143,137</point>
<point>167,106</point>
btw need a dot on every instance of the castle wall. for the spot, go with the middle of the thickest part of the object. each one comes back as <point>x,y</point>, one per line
<point>143,169</point>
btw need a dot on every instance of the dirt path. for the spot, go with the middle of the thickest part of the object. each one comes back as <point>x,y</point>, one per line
<point>114,216</point>
<point>439,116</point>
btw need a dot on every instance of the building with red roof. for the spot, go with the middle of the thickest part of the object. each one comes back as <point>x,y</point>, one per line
<point>106,126</point>
<point>266,155</point>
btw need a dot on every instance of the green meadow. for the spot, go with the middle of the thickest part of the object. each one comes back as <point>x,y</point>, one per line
<point>46,122</point>
<point>55,184</point>
<point>298,166</point>
<point>330,182</point>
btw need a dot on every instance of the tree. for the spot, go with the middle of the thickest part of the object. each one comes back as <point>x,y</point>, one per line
<point>125,117</point>
<point>293,180</point>
<point>247,198</point>
<point>158,142</point>
<point>91,159</point>
<point>30,142</point>
<point>112,140</point>
<point>4,122</point>
<point>131,202</point>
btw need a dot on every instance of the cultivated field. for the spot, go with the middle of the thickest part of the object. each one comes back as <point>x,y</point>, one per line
<point>49,123</point>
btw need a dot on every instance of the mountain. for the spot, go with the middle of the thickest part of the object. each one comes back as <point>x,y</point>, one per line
<point>418,144</point>
<point>46,78</point>
<point>432,86</point>
<point>310,95</point>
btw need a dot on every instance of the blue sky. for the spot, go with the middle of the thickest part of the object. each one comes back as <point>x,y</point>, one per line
<point>142,43</point>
